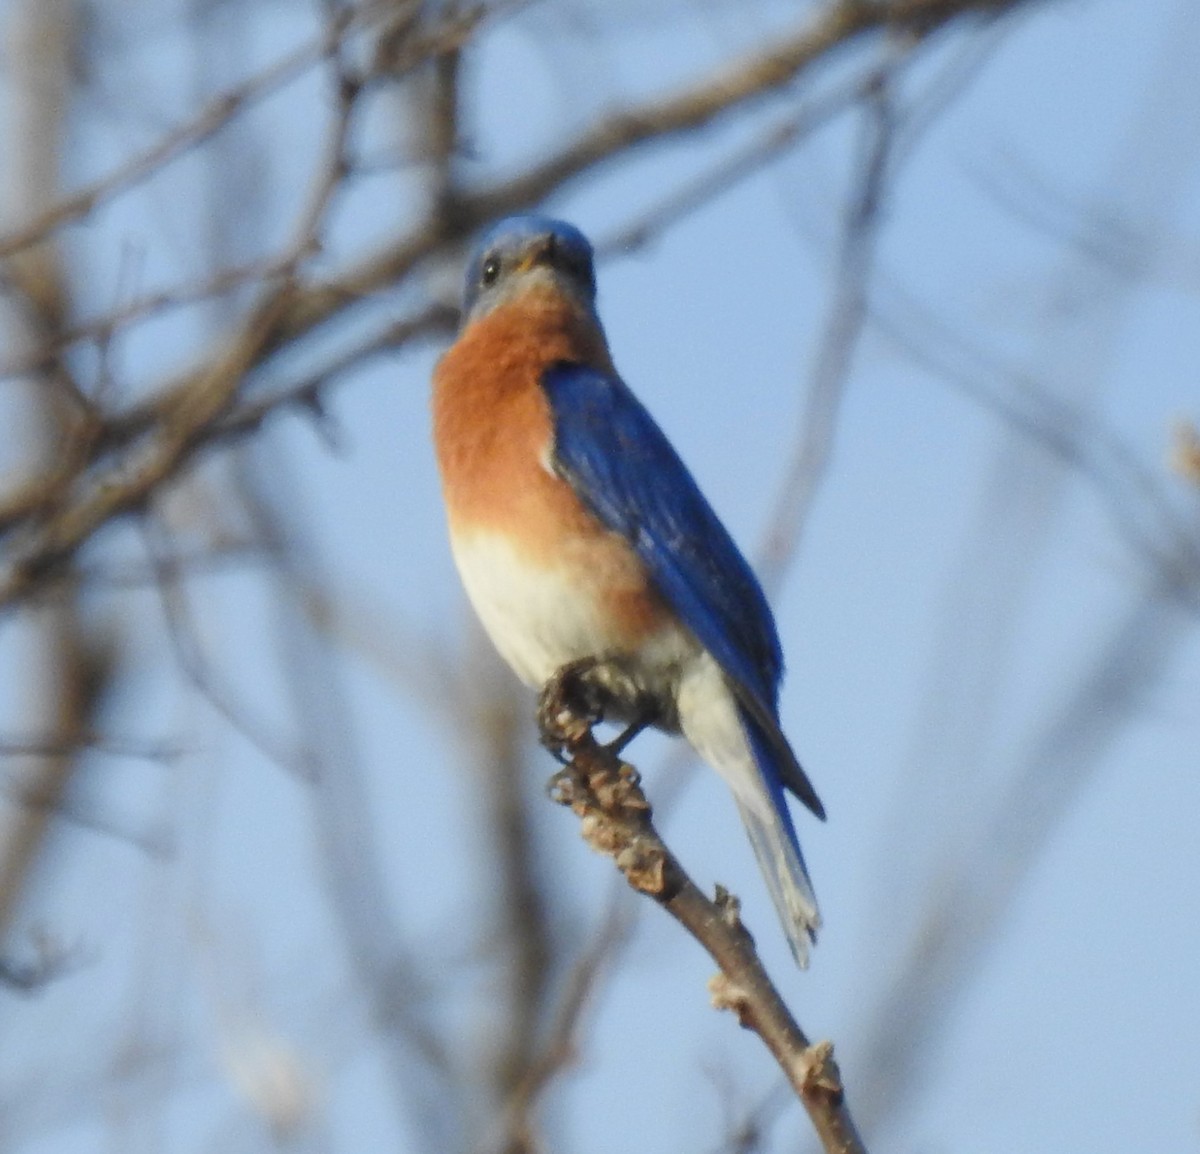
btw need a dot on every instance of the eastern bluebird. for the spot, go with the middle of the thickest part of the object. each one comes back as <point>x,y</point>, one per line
<point>582,538</point>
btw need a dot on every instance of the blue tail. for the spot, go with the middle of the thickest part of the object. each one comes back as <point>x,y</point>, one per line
<point>773,837</point>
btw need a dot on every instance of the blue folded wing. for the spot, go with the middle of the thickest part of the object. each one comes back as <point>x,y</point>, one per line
<point>619,462</point>
<point>611,451</point>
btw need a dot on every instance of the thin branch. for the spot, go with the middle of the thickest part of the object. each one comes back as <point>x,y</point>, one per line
<point>129,482</point>
<point>744,81</point>
<point>48,745</point>
<point>63,808</point>
<point>1185,452</point>
<point>308,393</point>
<point>522,929</point>
<point>51,961</point>
<point>559,1048</point>
<point>185,416</point>
<point>211,119</point>
<point>189,654</point>
<point>835,353</point>
<point>692,108</point>
<point>1130,492</point>
<point>143,308</point>
<point>735,168</point>
<point>398,991</point>
<point>605,794</point>
<point>965,913</point>
<point>77,665</point>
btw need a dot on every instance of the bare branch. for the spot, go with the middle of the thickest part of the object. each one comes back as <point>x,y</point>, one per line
<point>50,961</point>
<point>186,414</point>
<point>735,168</point>
<point>605,794</point>
<point>1185,452</point>
<point>839,341</point>
<point>77,666</point>
<point>210,120</point>
<point>744,81</point>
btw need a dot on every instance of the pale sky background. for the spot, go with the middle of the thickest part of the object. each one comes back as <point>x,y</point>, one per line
<point>1079,1031</point>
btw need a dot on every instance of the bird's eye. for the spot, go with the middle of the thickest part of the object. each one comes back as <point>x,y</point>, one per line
<point>490,271</point>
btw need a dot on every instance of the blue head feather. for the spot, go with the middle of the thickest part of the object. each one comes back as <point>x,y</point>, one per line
<point>499,262</point>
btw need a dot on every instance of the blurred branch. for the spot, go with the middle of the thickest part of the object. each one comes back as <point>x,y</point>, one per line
<point>50,961</point>
<point>395,983</point>
<point>126,484</point>
<point>1131,493</point>
<point>890,132</point>
<point>559,1047</point>
<point>443,125</point>
<point>210,120</point>
<point>85,816</point>
<point>742,82</point>
<point>188,651</point>
<point>142,308</point>
<point>748,1134</point>
<point>737,167</point>
<point>968,901</point>
<point>524,942</point>
<point>605,794</point>
<point>151,444</point>
<point>840,339</point>
<point>1006,808</point>
<point>47,745</point>
<point>308,393</point>
<point>78,675</point>
<point>71,669</point>
<point>1185,452</point>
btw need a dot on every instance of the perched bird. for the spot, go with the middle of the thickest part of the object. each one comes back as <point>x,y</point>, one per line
<point>581,537</point>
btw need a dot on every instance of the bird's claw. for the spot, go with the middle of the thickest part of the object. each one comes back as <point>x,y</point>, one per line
<point>644,719</point>
<point>569,705</point>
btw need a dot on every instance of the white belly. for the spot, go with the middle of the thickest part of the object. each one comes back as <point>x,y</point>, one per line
<point>540,619</point>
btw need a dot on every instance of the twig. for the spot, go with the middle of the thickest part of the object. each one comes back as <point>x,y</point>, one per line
<point>831,369</point>
<point>692,108</point>
<point>210,120</point>
<point>1185,452</point>
<point>605,794</point>
<point>399,993</point>
<point>128,484</point>
<point>144,308</point>
<point>309,391</point>
<point>53,745</point>
<point>522,927</point>
<point>186,646</point>
<point>697,107</point>
<point>738,166</point>
<point>1128,490</point>
<point>51,961</point>
<point>186,414</point>
<point>561,1043</point>
<point>78,665</point>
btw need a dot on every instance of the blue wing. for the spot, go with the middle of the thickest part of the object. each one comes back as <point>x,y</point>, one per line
<point>619,462</point>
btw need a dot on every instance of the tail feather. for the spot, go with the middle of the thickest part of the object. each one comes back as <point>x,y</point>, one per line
<point>747,750</point>
<point>769,826</point>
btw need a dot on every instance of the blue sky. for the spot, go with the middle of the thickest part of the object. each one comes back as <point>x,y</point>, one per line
<point>947,551</point>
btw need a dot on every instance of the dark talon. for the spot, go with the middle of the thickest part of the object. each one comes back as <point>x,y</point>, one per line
<point>644,720</point>
<point>580,694</point>
<point>568,701</point>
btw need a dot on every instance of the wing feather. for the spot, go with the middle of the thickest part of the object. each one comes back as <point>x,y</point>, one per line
<point>619,462</point>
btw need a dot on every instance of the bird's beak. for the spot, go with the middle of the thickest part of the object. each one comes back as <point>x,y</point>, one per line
<point>539,251</point>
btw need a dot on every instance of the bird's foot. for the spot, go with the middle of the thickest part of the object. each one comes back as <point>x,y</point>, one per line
<point>643,720</point>
<point>570,703</point>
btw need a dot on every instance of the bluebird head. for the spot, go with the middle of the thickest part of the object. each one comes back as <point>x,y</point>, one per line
<point>520,251</point>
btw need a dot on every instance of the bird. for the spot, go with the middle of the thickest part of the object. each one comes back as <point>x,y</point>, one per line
<point>582,539</point>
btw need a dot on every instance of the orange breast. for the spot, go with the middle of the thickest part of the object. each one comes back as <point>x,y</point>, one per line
<point>493,434</point>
